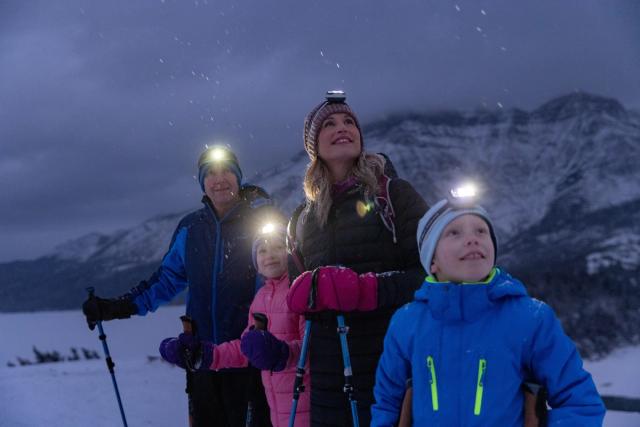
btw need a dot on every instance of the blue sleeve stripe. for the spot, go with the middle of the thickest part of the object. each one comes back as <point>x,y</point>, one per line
<point>170,280</point>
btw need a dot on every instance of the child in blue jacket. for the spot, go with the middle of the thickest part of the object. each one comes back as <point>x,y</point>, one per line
<point>473,336</point>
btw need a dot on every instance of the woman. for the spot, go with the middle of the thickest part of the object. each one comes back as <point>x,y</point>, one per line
<point>360,218</point>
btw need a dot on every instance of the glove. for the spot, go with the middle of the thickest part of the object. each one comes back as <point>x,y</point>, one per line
<point>338,288</point>
<point>96,309</point>
<point>187,352</point>
<point>264,351</point>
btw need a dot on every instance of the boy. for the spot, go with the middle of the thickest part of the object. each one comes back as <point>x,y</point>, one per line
<point>473,336</point>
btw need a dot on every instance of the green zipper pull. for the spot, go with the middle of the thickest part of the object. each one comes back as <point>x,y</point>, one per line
<point>482,367</point>
<point>432,381</point>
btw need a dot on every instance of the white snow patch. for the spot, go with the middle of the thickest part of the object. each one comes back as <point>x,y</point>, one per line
<point>622,249</point>
<point>81,393</point>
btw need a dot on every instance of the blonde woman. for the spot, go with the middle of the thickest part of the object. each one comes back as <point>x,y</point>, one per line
<point>358,227</point>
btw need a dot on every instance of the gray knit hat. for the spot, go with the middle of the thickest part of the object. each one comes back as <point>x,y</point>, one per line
<point>437,218</point>
<point>335,103</point>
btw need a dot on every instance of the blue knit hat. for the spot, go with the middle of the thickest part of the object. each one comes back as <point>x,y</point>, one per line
<point>272,231</point>
<point>437,218</point>
<point>218,155</point>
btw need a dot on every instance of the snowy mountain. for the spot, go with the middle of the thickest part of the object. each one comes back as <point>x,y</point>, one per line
<point>561,183</point>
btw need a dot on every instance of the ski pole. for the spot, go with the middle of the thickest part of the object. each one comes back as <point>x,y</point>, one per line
<point>110,364</point>
<point>346,359</point>
<point>261,323</point>
<point>298,384</point>
<point>188,327</point>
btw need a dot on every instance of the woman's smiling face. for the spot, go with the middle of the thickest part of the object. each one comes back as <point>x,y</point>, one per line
<point>339,139</point>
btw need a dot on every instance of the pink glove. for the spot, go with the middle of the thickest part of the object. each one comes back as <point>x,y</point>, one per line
<point>338,289</point>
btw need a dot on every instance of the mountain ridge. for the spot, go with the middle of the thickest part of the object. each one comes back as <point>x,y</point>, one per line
<point>560,183</point>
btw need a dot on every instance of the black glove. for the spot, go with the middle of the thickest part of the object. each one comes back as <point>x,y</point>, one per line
<point>96,309</point>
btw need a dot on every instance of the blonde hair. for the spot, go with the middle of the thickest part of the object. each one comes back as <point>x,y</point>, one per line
<point>317,184</point>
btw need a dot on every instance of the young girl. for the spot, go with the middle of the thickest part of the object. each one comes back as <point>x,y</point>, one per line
<point>275,350</point>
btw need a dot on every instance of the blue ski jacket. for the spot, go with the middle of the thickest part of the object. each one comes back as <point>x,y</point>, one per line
<point>469,348</point>
<point>211,258</point>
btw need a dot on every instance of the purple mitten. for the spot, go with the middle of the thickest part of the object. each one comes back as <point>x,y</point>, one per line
<point>170,351</point>
<point>187,352</point>
<point>264,351</point>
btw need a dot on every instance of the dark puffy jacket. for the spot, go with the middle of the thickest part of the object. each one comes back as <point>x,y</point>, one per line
<point>357,238</point>
<point>211,258</point>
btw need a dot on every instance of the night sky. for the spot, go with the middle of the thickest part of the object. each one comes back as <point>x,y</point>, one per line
<point>106,105</point>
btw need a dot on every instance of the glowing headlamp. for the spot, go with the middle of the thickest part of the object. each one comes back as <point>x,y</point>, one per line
<point>467,190</point>
<point>217,155</point>
<point>268,228</point>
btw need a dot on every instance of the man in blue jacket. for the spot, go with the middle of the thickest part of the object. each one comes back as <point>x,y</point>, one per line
<point>473,336</point>
<point>210,256</point>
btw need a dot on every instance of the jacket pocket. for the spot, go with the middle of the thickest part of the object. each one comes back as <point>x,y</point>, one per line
<point>433,383</point>
<point>482,369</point>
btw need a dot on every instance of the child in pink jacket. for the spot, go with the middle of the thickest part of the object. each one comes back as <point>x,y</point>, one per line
<point>274,351</point>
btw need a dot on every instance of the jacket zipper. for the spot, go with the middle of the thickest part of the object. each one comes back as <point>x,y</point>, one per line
<point>433,382</point>
<point>482,367</point>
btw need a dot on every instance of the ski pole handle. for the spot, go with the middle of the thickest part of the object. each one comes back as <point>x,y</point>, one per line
<point>261,321</point>
<point>187,325</point>
<point>189,328</point>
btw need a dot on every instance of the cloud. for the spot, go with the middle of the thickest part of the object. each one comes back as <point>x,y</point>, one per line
<point>106,105</point>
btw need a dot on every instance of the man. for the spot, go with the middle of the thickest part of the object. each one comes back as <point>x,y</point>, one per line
<point>210,256</point>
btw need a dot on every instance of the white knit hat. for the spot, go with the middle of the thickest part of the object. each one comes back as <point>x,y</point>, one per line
<point>437,218</point>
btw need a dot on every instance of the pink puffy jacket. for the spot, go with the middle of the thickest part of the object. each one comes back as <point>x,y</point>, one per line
<point>284,325</point>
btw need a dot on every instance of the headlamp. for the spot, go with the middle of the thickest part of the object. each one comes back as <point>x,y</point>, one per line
<point>336,96</point>
<point>217,154</point>
<point>268,228</point>
<point>462,197</point>
<point>465,191</point>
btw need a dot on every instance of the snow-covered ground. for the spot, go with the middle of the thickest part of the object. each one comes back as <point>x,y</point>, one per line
<point>80,393</point>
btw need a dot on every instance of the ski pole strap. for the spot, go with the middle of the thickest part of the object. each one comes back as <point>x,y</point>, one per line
<point>314,288</point>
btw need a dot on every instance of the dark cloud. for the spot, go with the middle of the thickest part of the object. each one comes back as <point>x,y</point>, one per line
<point>104,106</point>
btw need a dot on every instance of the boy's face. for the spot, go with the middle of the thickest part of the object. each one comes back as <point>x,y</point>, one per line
<point>271,258</point>
<point>465,251</point>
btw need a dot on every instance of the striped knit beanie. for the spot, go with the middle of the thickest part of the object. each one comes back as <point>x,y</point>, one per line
<point>319,114</point>
<point>435,221</point>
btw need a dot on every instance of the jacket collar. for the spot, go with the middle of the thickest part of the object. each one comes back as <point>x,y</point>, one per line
<point>467,302</point>
<point>251,196</point>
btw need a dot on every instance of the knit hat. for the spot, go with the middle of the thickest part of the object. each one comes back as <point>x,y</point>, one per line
<point>218,155</point>
<point>437,218</point>
<point>335,103</point>
<point>271,231</point>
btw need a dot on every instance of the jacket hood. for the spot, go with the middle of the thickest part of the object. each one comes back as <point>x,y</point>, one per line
<point>466,302</point>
